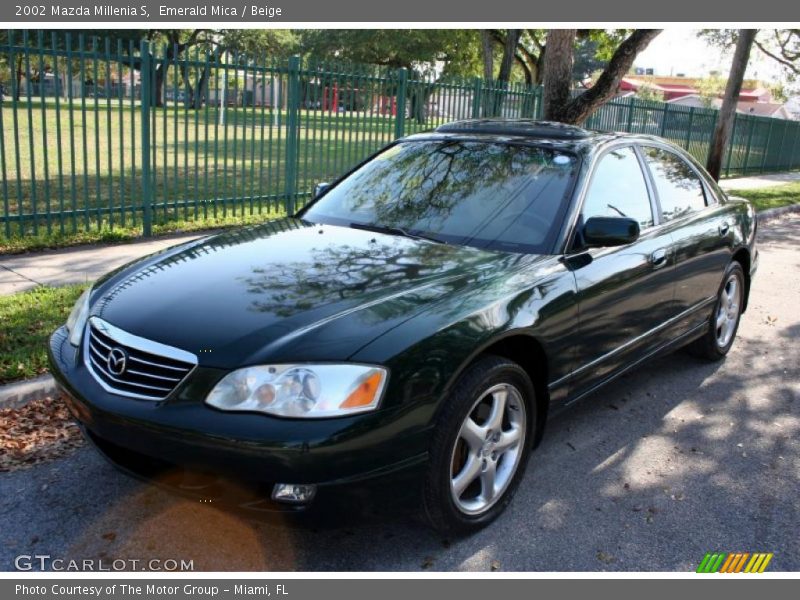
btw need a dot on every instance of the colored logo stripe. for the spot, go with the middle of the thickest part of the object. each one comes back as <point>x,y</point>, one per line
<point>723,562</point>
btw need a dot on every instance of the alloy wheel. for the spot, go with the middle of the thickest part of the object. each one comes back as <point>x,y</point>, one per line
<point>728,311</point>
<point>488,449</point>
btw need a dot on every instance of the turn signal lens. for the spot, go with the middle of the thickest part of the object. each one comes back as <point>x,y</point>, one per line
<point>365,392</point>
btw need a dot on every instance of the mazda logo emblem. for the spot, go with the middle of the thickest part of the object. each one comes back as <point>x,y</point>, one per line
<point>117,361</point>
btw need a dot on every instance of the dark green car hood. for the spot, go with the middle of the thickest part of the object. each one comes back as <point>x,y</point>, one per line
<point>287,290</point>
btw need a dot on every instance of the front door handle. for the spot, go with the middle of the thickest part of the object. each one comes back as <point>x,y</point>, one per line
<point>659,257</point>
<point>723,229</point>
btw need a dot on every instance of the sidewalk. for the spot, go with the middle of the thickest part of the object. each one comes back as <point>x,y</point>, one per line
<point>759,181</point>
<point>19,272</point>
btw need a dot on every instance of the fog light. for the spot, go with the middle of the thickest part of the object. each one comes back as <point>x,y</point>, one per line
<point>293,493</point>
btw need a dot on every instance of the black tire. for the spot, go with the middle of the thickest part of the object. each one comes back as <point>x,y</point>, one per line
<point>709,346</point>
<point>486,373</point>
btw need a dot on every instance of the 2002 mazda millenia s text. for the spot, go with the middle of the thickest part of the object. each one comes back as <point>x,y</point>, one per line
<point>415,324</point>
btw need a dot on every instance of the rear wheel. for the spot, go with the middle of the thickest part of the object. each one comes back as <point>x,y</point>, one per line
<point>480,446</point>
<point>724,321</point>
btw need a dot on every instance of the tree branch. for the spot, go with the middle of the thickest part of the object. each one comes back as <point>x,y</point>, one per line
<point>580,108</point>
<point>520,59</point>
<point>785,62</point>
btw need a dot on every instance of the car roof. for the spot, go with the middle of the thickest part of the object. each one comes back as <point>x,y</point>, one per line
<point>518,127</point>
<point>541,133</point>
<point>531,131</point>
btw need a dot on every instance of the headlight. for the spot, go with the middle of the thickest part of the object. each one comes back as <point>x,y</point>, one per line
<point>76,322</point>
<point>299,390</point>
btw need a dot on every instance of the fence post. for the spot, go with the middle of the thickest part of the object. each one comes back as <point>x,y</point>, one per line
<point>792,163</point>
<point>292,111</point>
<point>749,141</point>
<point>731,145</point>
<point>689,128</point>
<point>766,148</point>
<point>147,190</point>
<point>780,150</point>
<point>629,125</point>
<point>477,87</point>
<point>539,113</point>
<point>712,129</point>
<point>400,117</point>
<point>664,120</point>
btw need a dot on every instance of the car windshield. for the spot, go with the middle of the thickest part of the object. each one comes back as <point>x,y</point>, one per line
<point>490,195</point>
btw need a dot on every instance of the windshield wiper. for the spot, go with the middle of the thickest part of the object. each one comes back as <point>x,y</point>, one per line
<point>396,231</point>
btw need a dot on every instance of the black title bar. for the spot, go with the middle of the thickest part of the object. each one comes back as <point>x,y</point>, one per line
<point>412,11</point>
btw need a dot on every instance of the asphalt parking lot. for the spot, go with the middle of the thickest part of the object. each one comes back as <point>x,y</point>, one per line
<point>678,459</point>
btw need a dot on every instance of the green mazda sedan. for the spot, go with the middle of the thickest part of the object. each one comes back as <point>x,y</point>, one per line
<point>414,326</point>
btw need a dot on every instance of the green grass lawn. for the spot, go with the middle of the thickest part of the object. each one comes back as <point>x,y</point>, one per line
<point>26,321</point>
<point>770,197</point>
<point>87,163</point>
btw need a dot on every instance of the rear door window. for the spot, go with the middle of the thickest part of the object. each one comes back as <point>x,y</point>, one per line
<point>679,188</point>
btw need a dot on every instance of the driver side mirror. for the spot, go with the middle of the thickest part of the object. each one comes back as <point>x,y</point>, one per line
<point>320,189</point>
<point>610,231</point>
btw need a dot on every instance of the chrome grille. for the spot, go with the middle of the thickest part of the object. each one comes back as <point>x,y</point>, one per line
<point>149,370</point>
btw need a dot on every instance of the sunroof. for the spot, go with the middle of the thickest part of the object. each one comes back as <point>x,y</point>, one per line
<point>525,127</point>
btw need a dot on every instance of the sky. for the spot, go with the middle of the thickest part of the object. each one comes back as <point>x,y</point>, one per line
<point>678,50</point>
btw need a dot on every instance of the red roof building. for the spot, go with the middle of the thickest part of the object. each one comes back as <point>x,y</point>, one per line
<point>677,87</point>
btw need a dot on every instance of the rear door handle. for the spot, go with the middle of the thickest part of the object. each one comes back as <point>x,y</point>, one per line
<point>723,229</point>
<point>659,257</point>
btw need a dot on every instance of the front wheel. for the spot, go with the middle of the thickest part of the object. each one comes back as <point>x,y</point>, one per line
<point>480,446</point>
<point>724,321</point>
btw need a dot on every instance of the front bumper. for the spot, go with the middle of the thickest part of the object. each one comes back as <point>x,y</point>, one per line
<point>236,458</point>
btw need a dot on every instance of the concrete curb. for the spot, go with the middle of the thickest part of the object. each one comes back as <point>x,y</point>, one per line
<point>773,213</point>
<point>19,393</point>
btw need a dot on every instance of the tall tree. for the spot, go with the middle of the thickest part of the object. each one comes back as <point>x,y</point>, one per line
<point>727,112</point>
<point>558,66</point>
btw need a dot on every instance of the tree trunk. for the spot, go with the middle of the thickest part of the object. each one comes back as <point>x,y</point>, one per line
<point>539,77</point>
<point>173,49</point>
<point>488,70</point>
<point>504,75</point>
<point>188,88</point>
<point>194,93</point>
<point>558,75</point>
<point>526,70</point>
<point>159,79</point>
<point>533,63</point>
<point>201,94</point>
<point>727,112</point>
<point>509,51</point>
<point>419,96</point>
<point>488,55</point>
<point>18,77</point>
